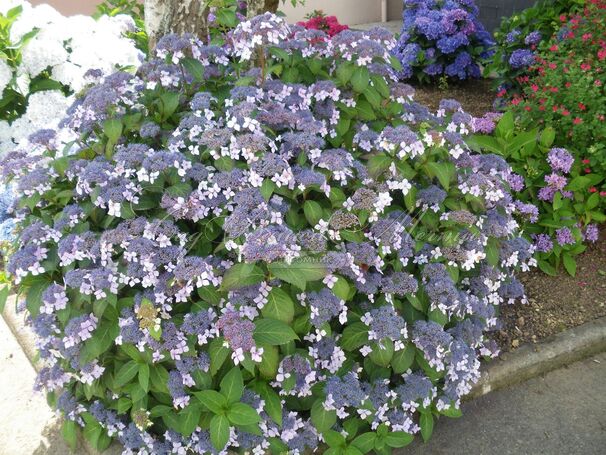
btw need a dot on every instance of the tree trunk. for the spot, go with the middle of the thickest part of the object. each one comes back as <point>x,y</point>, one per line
<point>175,16</point>
<point>189,16</point>
<point>256,7</point>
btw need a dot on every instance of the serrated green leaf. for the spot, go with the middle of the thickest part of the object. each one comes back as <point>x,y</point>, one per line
<point>273,332</point>
<point>279,306</point>
<point>241,275</point>
<point>219,431</point>
<point>126,373</point>
<point>241,414</point>
<point>212,400</point>
<point>232,385</point>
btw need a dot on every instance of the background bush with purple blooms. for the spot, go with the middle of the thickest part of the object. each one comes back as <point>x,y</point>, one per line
<point>262,256</point>
<point>442,38</point>
<point>553,191</point>
<point>518,38</point>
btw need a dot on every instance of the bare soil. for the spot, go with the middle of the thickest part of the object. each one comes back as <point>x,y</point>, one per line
<point>476,96</point>
<point>557,303</point>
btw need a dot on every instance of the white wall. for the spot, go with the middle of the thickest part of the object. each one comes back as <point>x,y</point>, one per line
<point>348,12</point>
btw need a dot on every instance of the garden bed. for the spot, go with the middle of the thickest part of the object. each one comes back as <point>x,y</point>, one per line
<point>476,96</point>
<point>557,303</point>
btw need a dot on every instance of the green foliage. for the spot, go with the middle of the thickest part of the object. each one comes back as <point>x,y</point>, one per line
<point>543,18</point>
<point>574,208</point>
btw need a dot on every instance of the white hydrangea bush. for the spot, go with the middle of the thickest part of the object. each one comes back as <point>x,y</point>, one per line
<point>56,56</point>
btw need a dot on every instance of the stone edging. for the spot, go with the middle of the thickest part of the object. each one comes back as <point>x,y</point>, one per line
<point>526,362</point>
<point>531,360</point>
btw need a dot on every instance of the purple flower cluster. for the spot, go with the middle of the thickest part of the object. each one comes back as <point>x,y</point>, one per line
<point>442,39</point>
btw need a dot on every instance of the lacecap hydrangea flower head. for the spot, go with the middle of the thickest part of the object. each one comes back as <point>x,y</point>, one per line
<point>442,38</point>
<point>262,246</point>
<point>55,62</point>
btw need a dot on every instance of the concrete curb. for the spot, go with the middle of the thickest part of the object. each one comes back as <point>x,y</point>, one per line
<point>531,360</point>
<point>528,361</point>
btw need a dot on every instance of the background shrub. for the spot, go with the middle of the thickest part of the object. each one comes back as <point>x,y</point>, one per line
<point>566,91</point>
<point>254,257</point>
<point>442,38</point>
<point>518,38</point>
<point>45,60</point>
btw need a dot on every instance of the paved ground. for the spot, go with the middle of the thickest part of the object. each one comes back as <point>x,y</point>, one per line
<point>563,413</point>
<point>27,425</point>
<point>393,26</point>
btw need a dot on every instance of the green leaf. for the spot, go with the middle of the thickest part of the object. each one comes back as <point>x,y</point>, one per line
<point>354,336</point>
<point>112,129</point>
<point>365,442</point>
<point>241,414</point>
<point>189,419</point>
<point>299,272</point>
<point>443,171</point>
<point>267,189</point>
<point>4,293</point>
<point>219,431</point>
<point>218,354</point>
<point>342,289</point>
<point>402,360</point>
<point>322,419</point>
<point>547,137</point>
<point>273,332</point>
<point>452,412</point>
<point>279,306</point>
<point>241,275</point>
<point>70,433</point>
<point>569,264</point>
<point>226,17</point>
<point>426,425</point>
<point>144,376</point>
<point>194,67</point>
<point>212,400</point>
<point>273,404</point>
<point>169,102</point>
<point>333,439</point>
<point>269,361</point>
<point>232,385</point>
<point>313,212</point>
<point>126,373</point>
<point>360,79</point>
<point>345,72</point>
<point>398,439</point>
<point>505,125</point>
<point>382,352</point>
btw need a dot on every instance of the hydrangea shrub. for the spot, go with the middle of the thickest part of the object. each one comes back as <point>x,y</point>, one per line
<point>553,189</point>
<point>47,58</point>
<point>442,39</point>
<point>265,246</point>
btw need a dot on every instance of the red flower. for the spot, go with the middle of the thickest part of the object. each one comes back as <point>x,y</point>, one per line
<point>582,106</point>
<point>587,170</point>
<point>565,113</point>
<point>577,121</point>
<point>603,193</point>
<point>585,66</point>
<point>554,48</point>
<point>585,161</point>
<point>593,189</point>
<point>534,87</point>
